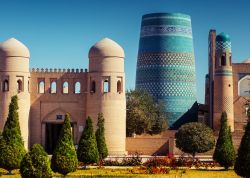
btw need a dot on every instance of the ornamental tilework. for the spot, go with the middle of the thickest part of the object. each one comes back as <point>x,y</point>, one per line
<point>165,59</point>
<point>223,45</point>
<point>224,104</point>
<point>157,30</point>
<point>166,64</point>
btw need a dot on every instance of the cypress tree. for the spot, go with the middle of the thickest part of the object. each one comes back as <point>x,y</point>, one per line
<point>100,138</point>
<point>224,152</point>
<point>36,163</point>
<point>242,165</point>
<point>64,159</point>
<point>12,148</point>
<point>87,151</point>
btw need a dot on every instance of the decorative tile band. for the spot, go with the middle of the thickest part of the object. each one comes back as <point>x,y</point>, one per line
<point>165,58</point>
<point>223,73</point>
<point>166,17</point>
<point>175,16</point>
<point>160,30</point>
<point>166,44</point>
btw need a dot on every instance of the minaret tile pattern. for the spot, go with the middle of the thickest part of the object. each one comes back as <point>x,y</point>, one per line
<point>166,64</point>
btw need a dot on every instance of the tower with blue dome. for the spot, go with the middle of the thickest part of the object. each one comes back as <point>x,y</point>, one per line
<point>223,81</point>
<point>166,63</point>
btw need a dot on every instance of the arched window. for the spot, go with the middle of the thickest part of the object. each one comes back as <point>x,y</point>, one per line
<point>92,88</point>
<point>119,86</point>
<point>77,87</point>
<point>19,85</point>
<point>223,60</point>
<point>6,85</point>
<point>244,86</point>
<point>106,86</point>
<point>65,88</point>
<point>230,60</point>
<point>53,87</point>
<point>41,87</point>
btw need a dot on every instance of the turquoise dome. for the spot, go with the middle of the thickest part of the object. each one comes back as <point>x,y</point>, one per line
<point>223,37</point>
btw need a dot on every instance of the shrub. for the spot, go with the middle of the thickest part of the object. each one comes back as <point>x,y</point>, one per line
<point>242,165</point>
<point>12,148</point>
<point>134,160</point>
<point>100,138</point>
<point>194,138</point>
<point>224,152</point>
<point>157,170</point>
<point>64,159</point>
<point>155,162</point>
<point>87,151</point>
<point>157,165</point>
<point>187,162</point>
<point>36,163</point>
<point>111,163</point>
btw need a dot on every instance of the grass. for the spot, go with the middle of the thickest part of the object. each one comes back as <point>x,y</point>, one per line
<point>132,173</point>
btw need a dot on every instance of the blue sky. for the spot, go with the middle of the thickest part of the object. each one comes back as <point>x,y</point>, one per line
<point>60,33</point>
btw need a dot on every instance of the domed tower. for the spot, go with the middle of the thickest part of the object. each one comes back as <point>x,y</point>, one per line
<point>223,81</point>
<point>106,93</point>
<point>14,80</point>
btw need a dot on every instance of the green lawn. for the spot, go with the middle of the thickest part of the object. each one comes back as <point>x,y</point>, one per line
<point>133,173</point>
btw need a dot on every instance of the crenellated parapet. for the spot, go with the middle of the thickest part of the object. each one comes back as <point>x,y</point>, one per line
<point>56,71</point>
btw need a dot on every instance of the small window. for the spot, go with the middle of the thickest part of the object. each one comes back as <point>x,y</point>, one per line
<point>65,88</point>
<point>93,87</point>
<point>119,86</point>
<point>230,60</point>
<point>53,87</point>
<point>28,86</point>
<point>19,85</point>
<point>6,85</point>
<point>223,60</point>
<point>77,87</point>
<point>106,86</point>
<point>41,87</point>
<point>59,117</point>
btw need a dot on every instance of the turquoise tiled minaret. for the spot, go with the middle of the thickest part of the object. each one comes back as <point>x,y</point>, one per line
<point>166,64</point>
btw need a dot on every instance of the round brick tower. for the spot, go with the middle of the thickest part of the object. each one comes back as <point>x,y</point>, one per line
<point>14,77</point>
<point>223,82</point>
<point>166,64</point>
<point>106,92</point>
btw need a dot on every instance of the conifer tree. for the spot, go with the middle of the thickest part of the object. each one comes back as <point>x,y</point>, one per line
<point>64,159</point>
<point>87,151</point>
<point>242,165</point>
<point>224,152</point>
<point>36,163</point>
<point>100,138</point>
<point>12,148</point>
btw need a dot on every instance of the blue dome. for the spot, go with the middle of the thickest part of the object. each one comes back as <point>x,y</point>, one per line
<point>223,37</point>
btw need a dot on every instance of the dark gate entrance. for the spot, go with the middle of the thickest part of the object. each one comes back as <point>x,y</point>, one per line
<point>52,135</point>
